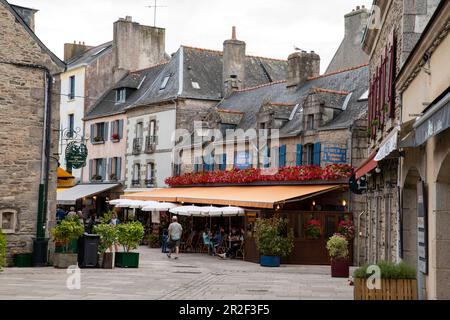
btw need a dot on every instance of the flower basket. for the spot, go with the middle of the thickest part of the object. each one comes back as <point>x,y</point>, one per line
<point>313,229</point>
<point>98,139</point>
<point>347,229</point>
<point>115,137</point>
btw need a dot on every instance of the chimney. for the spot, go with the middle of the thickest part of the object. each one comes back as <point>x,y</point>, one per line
<point>137,46</point>
<point>301,66</point>
<point>233,74</point>
<point>27,14</point>
<point>355,22</point>
<point>73,50</point>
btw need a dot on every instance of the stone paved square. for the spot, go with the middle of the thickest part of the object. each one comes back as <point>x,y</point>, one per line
<point>193,277</point>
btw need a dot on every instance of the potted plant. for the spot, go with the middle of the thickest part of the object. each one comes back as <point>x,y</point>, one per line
<point>347,229</point>
<point>273,240</point>
<point>153,241</point>
<point>337,247</point>
<point>129,237</point>
<point>313,229</point>
<point>108,236</point>
<point>64,233</point>
<point>98,139</point>
<point>115,137</point>
<point>397,282</point>
<point>2,250</point>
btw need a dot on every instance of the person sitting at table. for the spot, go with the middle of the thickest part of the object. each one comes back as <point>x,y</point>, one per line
<point>236,239</point>
<point>207,241</point>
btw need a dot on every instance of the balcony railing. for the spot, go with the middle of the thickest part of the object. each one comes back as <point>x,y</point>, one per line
<point>135,182</point>
<point>137,145</point>
<point>150,144</point>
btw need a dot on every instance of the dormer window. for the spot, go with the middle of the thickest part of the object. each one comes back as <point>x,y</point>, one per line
<point>164,83</point>
<point>121,95</point>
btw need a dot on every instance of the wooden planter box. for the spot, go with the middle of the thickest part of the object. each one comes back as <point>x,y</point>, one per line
<point>391,289</point>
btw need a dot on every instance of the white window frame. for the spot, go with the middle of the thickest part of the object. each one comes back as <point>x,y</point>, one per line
<point>121,95</point>
<point>14,220</point>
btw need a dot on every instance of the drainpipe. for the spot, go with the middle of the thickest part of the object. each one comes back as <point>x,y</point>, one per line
<point>359,237</point>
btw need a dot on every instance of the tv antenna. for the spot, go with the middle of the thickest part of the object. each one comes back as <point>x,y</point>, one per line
<point>155,6</point>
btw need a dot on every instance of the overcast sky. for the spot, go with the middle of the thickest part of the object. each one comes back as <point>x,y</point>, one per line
<point>270,28</point>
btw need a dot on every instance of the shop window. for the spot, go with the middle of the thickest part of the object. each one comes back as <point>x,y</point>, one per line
<point>8,219</point>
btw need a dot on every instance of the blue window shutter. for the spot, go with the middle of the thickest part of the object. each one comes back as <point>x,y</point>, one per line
<point>282,162</point>
<point>120,129</point>
<point>317,150</point>
<point>110,163</point>
<point>118,167</point>
<point>105,137</point>
<point>195,164</point>
<point>104,168</point>
<point>266,160</point>
<point>91,163</point>
<point>223,165</point>
<point>92,132</point>
<point>299,161</point>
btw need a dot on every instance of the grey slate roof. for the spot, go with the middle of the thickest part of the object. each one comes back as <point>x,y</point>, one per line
<point>90,55</point>
<point>189,65</point>
<point>107,105</point>
<point>250,101</point>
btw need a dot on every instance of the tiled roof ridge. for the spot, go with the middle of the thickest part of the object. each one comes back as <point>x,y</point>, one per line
<point>261,86</point>
<point>316,89</point>
<point>339,71</point>
<point>281,104</point>
<point>221,53</point>
<point>151,67</point>
<point>230,111</point>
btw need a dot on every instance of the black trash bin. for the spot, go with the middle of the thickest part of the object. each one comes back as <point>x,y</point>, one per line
<point>88,250</point>
<point>39,255</point>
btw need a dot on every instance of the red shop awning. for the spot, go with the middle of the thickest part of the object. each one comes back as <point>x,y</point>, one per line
<point>368,165</point>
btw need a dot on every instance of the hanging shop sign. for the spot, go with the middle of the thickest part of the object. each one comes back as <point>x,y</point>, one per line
<point>76,154</point>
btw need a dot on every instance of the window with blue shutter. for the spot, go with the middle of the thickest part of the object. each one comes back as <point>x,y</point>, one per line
<point>72,87</point>
<point>299,160</point>
<point>195,164</point>
<point>223,165</point>
<point>91,169</point>
<point>282,156</point>
<point>110,165</point>
<point>317,149</point>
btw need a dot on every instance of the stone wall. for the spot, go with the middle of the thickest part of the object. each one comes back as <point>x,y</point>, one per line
<point>21,131</point>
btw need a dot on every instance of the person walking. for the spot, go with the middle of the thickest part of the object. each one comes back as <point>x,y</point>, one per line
<point>175,232</point>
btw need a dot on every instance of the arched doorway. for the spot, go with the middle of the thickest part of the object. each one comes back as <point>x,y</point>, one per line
<point>442,236</point>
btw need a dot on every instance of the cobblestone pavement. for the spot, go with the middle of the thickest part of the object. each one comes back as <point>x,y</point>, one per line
<point>192,276</point>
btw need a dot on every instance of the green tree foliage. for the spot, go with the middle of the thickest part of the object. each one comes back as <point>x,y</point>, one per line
<point>389,270</point>
<point>67,230</point>
<point>108,235</point>
<point>2,250</point>
<point>130,235</point>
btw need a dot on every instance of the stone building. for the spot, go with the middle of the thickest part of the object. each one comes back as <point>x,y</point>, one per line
<point>29,100</point>
<point>320,120</point>
<point>392,31</point>
<point>424,86</point>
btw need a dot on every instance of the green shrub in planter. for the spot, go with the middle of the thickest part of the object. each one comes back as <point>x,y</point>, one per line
<point>108,236</point>
<point>337,247</point>
<point>2,250</point>
<point>66,231</point>
<point>129,237</point>
<point>389,270</point>
<point>273,238</point>
<point>153,241</point>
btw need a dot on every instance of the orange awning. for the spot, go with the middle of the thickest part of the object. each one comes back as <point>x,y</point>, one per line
<point>63,174</point>
<point>244,196</point>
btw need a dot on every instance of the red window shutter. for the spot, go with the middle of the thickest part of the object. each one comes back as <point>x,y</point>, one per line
<point>392,71</point>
